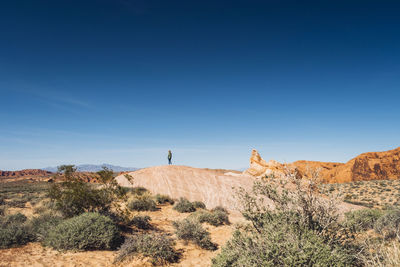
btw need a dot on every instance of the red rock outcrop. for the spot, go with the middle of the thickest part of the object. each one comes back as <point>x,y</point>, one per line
<point>28,172</point>
<point>326,169</point>
<point>367,166</point>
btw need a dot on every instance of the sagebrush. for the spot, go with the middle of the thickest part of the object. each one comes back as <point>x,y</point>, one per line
<point>141,222</point>
<point>160,248</point>
<point>192,230</point>
<point>73,196</point>
<point>14,231</point>
<point>143,203</point>
<point>184,206</point>
<point>287,228</point>
<point>88,231</point>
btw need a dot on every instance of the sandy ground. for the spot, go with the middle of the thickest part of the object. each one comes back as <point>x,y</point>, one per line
<point>210,186</point>
<point>34,254</point>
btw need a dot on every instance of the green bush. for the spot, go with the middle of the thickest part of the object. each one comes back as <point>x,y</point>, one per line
<point>138,190</point>
<point>192,230</point>
<point>141,222</point>
<point>389,224</point>
<point>88,231</point>
<point>2,210</point>
<point>120,217</point>
<point>303,229</point>
<point>199,205</point>
<point>142,204</point>
<point>215,218</point>
<point>73,196</point>
<point>220,208</point>
<point>283,246</point>
<point>14,231</point>
<point>184,206</point>
<point>159,248</point>
<point>362,220</point>
<point>42,224</point>
<point>162,199</point>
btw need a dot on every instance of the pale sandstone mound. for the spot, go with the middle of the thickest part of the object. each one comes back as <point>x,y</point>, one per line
<point>210,186</point>
<point>213,187</point>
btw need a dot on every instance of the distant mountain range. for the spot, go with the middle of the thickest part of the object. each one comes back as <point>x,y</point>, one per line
<point>95,168</point>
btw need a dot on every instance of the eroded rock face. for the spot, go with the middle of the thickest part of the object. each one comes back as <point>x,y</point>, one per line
<point>367,166</point>
<point>371,166</point>
<point>259,167</point>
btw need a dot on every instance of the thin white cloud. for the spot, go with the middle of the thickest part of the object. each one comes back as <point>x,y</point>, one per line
<point>52,97</point>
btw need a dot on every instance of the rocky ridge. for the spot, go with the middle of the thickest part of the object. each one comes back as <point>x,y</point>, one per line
<point>367,166</point>
<point>27,172</point>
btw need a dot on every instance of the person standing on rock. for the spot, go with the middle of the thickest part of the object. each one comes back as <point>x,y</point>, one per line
<point>169,157</point>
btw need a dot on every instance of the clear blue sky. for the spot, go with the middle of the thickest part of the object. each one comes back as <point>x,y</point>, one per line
<point>123,81</point>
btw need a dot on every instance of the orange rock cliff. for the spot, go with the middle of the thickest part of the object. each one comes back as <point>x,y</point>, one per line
<point>367,166</point>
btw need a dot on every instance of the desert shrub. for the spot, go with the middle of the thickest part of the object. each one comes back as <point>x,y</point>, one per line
<point>88,231</point>
<point>389,224</point>
<point>142,204</point>
<point>141,222</point>
<point>40,209</point>
<point>120,217</point>
<point>73,196</point>
<point>138,190</point>
<point>192,230</point>
<point>381,254</point>
<point>16,203</point>
<point>42,224</point>
<point>293,227</point>
<point>361,220</point>
<point>162,199</point>
<point>278,245</point>
<point>17,218</point>
<point>199,205</point>
<point>184,206</point>
<point>215,218</point>
<point>159,247</point>
<point>14,230</point>
<point>220,208</point>
<point>46,209</point>
<point>2,210</point>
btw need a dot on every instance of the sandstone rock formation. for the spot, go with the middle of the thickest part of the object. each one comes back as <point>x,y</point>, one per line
<point>259,167</point>
<point>213,187</point>
<point>367,166</point>
<point>326,169</point>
